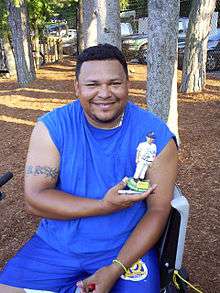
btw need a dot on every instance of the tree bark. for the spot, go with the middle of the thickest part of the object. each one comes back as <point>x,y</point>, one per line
<point>108,22</point>
<point>22,48</point>
<point>36,46</point>
<point>195,55</point>
<point>89,24</point>
<point>101,22</point>
<point>80,38</point>
<point>10,60</point>
<point>163,21</point>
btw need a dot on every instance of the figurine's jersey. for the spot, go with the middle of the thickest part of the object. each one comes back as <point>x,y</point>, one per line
<point>92,161</point>
<point>147,152</point>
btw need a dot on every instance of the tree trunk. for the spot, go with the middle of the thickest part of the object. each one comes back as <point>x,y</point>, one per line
<point>162,60</point>
<point>80,38</point>
<point>10,60</point>
<point>108,22</point>
<point>101,22</point>
<point>36,46</point>
<point>22,48</point>
<point>89,24</point>
<point>195,55</point>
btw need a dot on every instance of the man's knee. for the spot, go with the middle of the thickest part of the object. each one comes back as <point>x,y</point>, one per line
<point>9,289</point>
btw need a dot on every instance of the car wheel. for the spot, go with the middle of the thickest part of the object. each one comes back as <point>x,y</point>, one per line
<point>211,63</point>
<point>143,54</point>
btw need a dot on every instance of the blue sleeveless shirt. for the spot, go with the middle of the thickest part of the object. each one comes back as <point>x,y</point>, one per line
<point>93,160</point>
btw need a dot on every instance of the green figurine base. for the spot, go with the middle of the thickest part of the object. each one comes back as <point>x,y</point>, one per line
<point>139,186</point>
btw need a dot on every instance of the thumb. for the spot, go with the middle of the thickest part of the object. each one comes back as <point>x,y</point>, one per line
<point>122,184</point>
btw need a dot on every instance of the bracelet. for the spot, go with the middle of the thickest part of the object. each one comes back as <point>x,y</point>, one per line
<point>116,261</point>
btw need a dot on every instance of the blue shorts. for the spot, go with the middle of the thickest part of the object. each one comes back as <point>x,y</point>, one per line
<point>39,266</point>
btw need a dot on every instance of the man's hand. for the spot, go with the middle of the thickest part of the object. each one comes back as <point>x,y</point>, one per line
<point>113,201</point>
<point>103,279</point>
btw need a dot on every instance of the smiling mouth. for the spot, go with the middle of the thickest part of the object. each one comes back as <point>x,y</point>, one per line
<point>103,105</point>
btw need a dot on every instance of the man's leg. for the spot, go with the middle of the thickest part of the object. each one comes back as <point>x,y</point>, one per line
<point>143,171</point>
<point>38,266</point>
<point>138,170</point>
<point>143,277</point>
<point>9,289</point>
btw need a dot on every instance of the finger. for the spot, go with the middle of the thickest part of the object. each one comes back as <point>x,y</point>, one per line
<point>82,286</point>
<point>122,184</point>
<point>141,196</point>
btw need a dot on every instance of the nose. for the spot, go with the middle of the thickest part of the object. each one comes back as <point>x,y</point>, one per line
<point>104,92</point>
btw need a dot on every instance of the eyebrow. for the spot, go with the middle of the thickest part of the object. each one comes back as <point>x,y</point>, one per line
<point>113,79</point>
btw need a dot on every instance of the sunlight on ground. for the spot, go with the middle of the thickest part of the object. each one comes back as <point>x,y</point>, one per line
<point>23,102</point>
<point>137,72</point>
<point>137,92</point>
<point>12,96</point>
<point>16,120</point>
<point>203,98</point>
<point>28,89</point>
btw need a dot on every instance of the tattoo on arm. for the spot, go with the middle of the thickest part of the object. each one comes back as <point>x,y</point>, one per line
<point>42,170</point>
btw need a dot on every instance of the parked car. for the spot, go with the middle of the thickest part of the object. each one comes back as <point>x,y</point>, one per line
<point>70,42</point>
<point>135,47</point>
<point>213,54</point>
<point>213,51</point>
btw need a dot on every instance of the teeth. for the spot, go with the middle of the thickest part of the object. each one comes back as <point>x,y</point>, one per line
<point>103,105</point>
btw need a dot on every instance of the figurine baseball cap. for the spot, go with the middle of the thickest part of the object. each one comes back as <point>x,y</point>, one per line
<point>151,134</point>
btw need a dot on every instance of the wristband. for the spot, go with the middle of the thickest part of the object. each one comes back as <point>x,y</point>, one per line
<point>116,261</point>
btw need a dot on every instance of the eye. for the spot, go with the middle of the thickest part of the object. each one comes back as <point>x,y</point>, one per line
<point>91,84</point>
<point>116,83</point>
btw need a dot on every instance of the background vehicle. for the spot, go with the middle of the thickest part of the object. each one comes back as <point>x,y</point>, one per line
<point>69,42</point>
<point>213,54</point>
<point>56,29</point>
<point>135,47</point>
<point>213,51</point>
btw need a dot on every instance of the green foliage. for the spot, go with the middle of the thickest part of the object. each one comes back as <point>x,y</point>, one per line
<point>67,10</point>
<point>3,19</point>
<point>42,11</point>
<point>124,4</point>
<point>140,6</point>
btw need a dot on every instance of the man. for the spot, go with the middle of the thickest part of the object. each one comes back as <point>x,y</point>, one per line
<point>146,153</point>
<point>79,154</point>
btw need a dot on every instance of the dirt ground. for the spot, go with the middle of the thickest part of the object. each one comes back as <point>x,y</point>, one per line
<point>198,174</point>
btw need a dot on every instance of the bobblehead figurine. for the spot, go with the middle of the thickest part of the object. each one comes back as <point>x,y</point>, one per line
<point>146,153</point>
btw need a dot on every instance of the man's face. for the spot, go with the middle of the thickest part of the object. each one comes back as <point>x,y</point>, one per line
<point>102,87</point>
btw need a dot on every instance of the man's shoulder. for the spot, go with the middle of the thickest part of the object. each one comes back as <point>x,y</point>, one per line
<point>139,112</point>
<point>60,112</point>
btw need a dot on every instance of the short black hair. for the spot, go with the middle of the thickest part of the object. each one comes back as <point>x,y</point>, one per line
<point>101,52</point>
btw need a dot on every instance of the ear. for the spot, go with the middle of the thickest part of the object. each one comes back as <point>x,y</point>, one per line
<point>76,87</point>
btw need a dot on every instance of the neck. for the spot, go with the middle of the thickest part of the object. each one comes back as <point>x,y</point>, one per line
<point>114,124</point>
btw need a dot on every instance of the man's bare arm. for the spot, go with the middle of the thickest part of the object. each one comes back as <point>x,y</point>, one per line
<point>163,173</point>
<point>42,199</point>
<point>148,231</point>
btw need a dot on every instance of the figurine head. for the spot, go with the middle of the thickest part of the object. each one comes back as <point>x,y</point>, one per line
<point>150,137</point>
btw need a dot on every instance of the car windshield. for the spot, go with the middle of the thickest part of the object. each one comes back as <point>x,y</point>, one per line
<point>215,36</point>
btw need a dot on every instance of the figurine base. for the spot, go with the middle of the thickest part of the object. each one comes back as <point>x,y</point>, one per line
<point>139,186</point>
